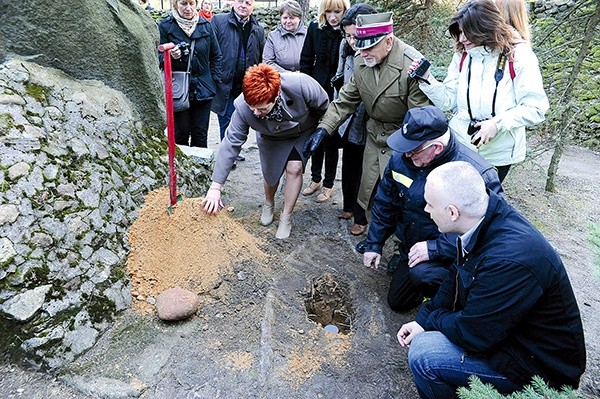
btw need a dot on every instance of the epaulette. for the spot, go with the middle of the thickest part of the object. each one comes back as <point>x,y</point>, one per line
<point>412,53</point>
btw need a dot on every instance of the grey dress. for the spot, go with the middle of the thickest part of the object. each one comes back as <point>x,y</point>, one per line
<point>303,101</point>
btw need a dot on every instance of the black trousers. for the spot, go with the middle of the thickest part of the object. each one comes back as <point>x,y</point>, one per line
<point>502,172</point>
<point>328,150</point>
<point>191,125</point>
<point>410,285</point>
<point>352,158</point>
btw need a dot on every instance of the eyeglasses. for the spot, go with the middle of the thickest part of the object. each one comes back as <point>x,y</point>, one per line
<point>415,152</point>
<point>349,37</point>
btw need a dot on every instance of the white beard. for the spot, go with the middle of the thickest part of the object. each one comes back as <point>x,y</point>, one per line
<point>370,62</point>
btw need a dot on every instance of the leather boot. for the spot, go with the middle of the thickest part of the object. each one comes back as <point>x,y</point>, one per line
<point>266,217</point>
<point>285,226</point>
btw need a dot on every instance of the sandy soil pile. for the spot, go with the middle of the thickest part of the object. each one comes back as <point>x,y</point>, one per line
<point>186,248</point>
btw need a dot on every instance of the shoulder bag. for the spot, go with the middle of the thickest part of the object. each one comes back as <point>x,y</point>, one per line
<point>181,85</point>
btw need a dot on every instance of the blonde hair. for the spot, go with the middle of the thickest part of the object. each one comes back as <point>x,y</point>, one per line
<point>206,1</point>
<point>328,5</point>
<point>515,14</point>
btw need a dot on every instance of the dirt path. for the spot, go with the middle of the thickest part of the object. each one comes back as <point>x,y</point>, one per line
<point>253,337</point>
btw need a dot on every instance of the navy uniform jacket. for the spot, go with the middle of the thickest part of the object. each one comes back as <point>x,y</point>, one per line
<point>510,301</point>
<point>400,204</point>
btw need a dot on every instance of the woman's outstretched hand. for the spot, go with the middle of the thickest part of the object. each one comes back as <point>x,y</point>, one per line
<point>212,200</point>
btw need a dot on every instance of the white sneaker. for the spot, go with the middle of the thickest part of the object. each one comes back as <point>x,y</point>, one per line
<point>285,226</point>
<point>266,217</point>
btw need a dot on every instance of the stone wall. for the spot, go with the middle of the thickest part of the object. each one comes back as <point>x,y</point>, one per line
<point>544,8</point>
<point>75,163</point>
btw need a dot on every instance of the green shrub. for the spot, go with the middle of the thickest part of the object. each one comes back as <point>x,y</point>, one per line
<point>538,389</point>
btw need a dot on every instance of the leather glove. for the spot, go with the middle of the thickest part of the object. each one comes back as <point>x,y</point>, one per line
<point>337,82</point>
<point>313,142</point>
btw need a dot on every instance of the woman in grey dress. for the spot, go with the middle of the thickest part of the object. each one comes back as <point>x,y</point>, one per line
<point>284,109</point>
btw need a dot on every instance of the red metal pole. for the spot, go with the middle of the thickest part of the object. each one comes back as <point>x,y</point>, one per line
<point>166,49</point>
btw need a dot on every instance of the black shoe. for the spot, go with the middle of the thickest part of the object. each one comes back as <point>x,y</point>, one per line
<point>240,158</point>
<point>361,247</point>
<point>393,264</point>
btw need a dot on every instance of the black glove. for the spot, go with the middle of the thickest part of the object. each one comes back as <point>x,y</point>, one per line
<point>337,82</point>
<point>313,142</point>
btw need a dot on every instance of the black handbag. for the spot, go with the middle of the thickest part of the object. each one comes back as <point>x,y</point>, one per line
<point>181,85</point>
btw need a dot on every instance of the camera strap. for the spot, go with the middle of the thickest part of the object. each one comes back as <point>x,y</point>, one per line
<point>189,66</point>
<point>498,75</point>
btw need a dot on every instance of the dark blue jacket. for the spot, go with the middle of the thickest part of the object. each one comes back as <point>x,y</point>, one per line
<point>511,301</point>
<point>399,203</point>
<point>228,34</point>
<point>206,61</point>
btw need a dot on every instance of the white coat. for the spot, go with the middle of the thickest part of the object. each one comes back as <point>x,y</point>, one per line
<point>520,102</point>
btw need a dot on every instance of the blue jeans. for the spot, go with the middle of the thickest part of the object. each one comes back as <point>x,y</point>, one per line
<point>439,367</point>
<point>226,117</point>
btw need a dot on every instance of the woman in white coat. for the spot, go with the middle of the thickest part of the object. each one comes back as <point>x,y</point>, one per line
<point>494,85</point>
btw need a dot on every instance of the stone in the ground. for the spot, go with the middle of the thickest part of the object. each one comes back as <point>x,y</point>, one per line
<point>176,304</point>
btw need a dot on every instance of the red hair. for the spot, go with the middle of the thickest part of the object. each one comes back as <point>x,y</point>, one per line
<point>261,85</point>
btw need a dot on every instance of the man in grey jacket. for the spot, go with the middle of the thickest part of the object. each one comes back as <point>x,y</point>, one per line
<point>242,39</point>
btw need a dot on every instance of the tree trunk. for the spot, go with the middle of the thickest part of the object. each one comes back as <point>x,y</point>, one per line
<point>562,135</point>
<point>305,5</point>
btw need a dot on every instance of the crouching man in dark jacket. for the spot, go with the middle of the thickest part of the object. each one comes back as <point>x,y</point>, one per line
<point>423,143</point>
<point>506,312</point>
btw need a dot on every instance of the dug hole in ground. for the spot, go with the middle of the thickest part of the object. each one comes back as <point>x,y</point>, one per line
<point>264,302</point>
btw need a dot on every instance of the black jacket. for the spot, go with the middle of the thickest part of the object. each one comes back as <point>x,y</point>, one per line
<point>206,61</point>
<point>228,34</point>
<point>320,54</point>
<point>511,302</point>
<point>399,202</point>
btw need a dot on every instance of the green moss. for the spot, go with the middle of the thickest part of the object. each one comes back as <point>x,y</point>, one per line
<point>36,276</point>
<point>100,309</point>
<point>11,337</point>
<point>118,273</point>
<point>38,92</point>
<point>6,123</point>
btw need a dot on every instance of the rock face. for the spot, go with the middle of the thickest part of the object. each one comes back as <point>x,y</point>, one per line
<point>176,304</point>
<point>113,41</point>
<point>75,164</point>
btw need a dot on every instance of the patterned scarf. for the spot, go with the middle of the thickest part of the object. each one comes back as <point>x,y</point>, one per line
<point>187,25</point>
<point>276,113</point>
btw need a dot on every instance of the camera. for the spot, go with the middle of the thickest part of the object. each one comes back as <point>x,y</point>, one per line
<point>184,47</point>
<point>419,71</point>
<point>473,130</point>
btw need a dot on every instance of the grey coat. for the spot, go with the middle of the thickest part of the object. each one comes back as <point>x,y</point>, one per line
<point>304,101</point>
<point>282,49</point>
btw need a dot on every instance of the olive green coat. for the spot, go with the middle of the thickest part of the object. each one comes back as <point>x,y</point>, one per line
<point>386,101</point>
